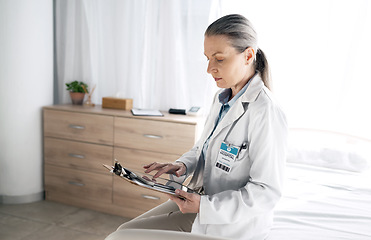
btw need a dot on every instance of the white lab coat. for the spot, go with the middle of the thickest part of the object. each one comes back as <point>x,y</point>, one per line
<point>239,205</point>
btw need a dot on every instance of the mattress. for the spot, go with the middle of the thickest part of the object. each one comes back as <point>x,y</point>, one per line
<point>322,202</point>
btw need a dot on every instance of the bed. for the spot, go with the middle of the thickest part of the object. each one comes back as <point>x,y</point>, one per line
<point>327,192</point>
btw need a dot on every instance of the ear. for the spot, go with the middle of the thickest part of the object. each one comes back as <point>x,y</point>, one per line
<point>249,55</point>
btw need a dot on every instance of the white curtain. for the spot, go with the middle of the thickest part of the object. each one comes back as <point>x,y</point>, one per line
<point>319,52</point>
<point>152,51</point>
<point>147,50</point>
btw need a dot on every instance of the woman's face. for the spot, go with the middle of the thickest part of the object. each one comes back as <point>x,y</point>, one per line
<point>229,68</point>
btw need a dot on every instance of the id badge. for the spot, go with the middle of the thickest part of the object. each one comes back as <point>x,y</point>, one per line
<point>226,157</point>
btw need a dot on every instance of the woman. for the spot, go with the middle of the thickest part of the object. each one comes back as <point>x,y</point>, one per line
<point>238,163</point>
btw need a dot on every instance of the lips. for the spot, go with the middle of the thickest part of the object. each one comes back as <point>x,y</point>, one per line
<point>217,79</point>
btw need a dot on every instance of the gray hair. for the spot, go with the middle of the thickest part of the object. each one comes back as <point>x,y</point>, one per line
<point>242,35</point>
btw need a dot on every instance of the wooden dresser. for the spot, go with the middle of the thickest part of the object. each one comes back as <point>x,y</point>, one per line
<point>79,139</point>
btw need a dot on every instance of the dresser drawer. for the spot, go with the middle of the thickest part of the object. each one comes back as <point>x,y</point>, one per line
<point>136,159</point>
<point>79,126</point>
<point>77,155</point>
<point>61,182</point>
<point>135,198</point>
<point>151,135</point>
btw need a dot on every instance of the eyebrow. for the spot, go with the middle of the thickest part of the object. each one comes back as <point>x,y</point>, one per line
<point>214,54</point>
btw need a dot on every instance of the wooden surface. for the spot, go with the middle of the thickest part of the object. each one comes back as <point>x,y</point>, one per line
<point>79,126</point>
<point>98,110</point>
<point>117,103</point>
<point>78,140</point>
<point>77,155</point>
<point>165,137</point>
<point>136,198</point>
<point>79,184</point>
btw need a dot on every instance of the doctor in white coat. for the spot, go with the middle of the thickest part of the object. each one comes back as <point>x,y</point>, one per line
<point>238,163</point>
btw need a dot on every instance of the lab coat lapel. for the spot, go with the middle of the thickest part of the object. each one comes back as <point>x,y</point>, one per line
<point>253,89</point>
<point>238,107</point>
<point>233,114</point>
<point>214,112</point>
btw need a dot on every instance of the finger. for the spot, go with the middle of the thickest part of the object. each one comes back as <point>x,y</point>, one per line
<point>177,200</point>
<point>182,170</point>
<point>165,169</point>
<point>148,179</point>
<point>182,194</point>
<point>172,197</point>
<point>148,165</point>
<point>154,166</point>
<point>179,172</point>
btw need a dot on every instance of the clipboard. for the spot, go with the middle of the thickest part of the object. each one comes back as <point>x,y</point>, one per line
<point>147,181</point>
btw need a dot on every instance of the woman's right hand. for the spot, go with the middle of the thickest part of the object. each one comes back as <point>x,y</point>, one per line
<point>176,168</point>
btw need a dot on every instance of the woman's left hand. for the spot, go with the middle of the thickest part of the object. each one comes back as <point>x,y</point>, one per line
<point>191,202</point>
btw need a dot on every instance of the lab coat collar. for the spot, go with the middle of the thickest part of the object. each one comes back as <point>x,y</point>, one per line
<point>226,94</point>
<point>252,92</point>
<point>240,106</point>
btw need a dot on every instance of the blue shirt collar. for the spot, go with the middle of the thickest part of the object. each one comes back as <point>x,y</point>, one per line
<point>224,95</point>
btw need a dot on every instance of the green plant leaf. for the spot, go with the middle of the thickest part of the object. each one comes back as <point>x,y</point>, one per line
<point>76,86</point>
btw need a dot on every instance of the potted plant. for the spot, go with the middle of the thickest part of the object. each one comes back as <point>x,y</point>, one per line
<point>77,91</point>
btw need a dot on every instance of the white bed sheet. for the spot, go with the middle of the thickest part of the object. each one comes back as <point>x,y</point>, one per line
<point>323,203</point>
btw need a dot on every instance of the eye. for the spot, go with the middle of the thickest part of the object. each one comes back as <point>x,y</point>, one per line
<point>219,60</point>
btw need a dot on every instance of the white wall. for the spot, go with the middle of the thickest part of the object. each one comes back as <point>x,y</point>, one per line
<point>319,53</point>
<point>26,84</point>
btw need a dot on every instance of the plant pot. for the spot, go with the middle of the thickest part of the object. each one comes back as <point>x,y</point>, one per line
<point>77,98</point>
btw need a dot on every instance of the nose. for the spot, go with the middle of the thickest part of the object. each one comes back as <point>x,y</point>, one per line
<point>211,67</point>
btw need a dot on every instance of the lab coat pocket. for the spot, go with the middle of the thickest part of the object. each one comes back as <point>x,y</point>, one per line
<point>243,153</point>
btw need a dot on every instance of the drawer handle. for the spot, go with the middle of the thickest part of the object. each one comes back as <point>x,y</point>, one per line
<point>152,136</point>
<point>76,126</point>
<point>150,197</point>
<point>76,155</point>
<point>76,183</point>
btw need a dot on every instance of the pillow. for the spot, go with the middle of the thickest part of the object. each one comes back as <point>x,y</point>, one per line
<point>329,149</point>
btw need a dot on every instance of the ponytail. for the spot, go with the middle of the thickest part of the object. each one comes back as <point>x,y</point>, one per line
<point>262,67</point>
<point>242,35</point>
